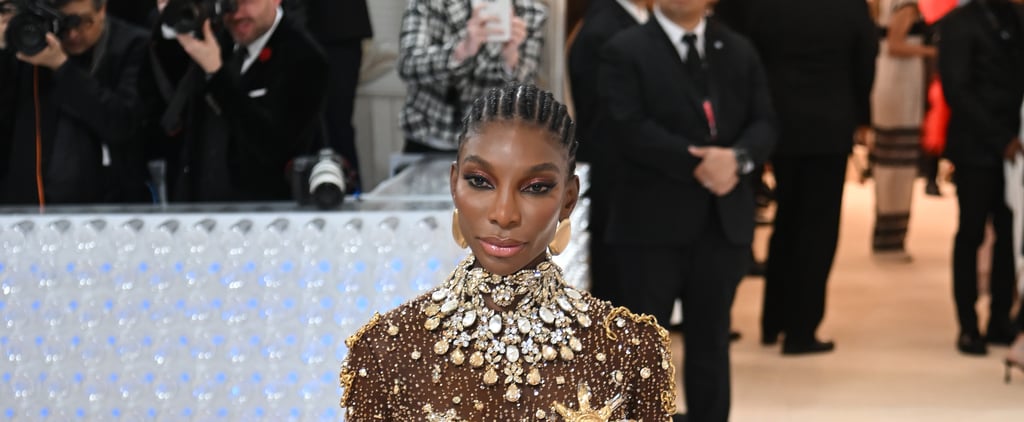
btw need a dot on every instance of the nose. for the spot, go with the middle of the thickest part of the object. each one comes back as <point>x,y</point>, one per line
<point>505,211</point>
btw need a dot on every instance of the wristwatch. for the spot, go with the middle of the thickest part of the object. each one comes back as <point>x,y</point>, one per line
<point>744,164</point>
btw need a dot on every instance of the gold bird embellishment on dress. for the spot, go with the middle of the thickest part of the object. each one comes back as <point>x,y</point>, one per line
<point>585,413</point>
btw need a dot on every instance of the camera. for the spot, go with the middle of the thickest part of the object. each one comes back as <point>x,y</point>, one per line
<point>187,16</point>
<point>33,19</point>
<point>319,180</point>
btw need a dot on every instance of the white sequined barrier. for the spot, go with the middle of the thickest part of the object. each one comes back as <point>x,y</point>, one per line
<point>207,315</point>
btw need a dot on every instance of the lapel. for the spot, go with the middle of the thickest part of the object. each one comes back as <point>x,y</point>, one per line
<point>677,79</point>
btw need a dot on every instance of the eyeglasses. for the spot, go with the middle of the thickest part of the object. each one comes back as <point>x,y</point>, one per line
<point>79,22</point>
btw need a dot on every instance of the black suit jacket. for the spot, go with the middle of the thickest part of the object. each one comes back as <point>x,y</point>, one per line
<point>584,59</point>
<point>820,60</point>
<point>239,132</point>
<point>657,115</point>
<point>83,107</point>
<point>983,81</point>
<point>333,21</point>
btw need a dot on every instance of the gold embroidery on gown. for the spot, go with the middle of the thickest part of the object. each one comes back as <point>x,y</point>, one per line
<point>450,355</point>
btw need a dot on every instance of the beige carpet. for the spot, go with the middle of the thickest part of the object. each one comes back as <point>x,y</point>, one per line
<point>894,326</point>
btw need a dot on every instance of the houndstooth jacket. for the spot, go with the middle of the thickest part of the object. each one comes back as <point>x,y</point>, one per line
<point>440,92</point>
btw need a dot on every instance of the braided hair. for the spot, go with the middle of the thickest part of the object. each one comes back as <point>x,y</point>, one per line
<point>528,104</point>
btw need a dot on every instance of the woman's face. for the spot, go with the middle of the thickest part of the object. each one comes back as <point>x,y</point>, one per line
<point>511,185</point>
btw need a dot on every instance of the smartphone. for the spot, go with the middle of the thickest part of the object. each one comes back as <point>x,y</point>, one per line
<point>502,9</point>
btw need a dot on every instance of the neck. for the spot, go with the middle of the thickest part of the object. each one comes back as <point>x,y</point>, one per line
<point>687,21</point>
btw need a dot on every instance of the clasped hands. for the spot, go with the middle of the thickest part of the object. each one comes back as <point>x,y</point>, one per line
<point>478,30</point>
<point>717,170</point>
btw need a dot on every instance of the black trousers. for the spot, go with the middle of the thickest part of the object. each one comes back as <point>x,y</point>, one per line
<point>704,277</point>
<point>344,58</point>
<point>809,195</point>
<point>979,193</point>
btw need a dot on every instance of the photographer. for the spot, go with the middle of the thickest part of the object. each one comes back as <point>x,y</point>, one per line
<point>68,107</point>
<point>241,104</point>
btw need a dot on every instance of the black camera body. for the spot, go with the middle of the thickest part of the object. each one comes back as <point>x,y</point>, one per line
<point>319,180</point>
<point>187,16</point>
<point>33,19</point>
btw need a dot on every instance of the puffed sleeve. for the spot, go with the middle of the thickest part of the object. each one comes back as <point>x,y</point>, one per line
<point>364,394</point>
<point>651,378</point>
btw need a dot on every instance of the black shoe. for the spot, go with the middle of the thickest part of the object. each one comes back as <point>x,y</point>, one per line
<point>971,344</point>
<point>679,417</point>
<point>802,348</point>
<point>932,189</point>
<point>1000,336</point>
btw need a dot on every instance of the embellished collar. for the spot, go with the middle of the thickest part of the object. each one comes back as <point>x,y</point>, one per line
<point>538,323</point>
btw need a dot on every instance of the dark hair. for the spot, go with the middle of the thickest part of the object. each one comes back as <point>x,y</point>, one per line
<point>97,4</point>
<point>524,103</point>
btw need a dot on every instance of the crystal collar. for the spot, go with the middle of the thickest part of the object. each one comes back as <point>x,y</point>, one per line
<point>538,324</point>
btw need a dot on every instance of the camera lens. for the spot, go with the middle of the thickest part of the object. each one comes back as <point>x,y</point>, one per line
<point>27,34</point>
<point>326,184</point>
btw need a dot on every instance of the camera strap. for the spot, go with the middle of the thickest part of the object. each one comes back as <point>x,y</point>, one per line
<point>176,99</point>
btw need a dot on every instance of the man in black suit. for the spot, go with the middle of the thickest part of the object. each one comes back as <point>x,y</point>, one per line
<point>599,25</point>
<point>820,58</point>
<point>246,105</point>
<point>340,26</point>
<point>981,63</point>
<point>692,116</point>
<point>82,127</point>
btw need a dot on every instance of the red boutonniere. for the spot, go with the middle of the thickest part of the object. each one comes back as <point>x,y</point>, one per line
<point>265,54</point>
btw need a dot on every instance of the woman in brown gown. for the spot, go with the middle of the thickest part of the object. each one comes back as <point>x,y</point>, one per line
<point>504,337</point>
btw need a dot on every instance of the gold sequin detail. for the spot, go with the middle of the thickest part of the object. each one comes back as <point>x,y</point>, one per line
<point>415,355</point>
<point>541,414</point>
<point>645,373</point>
<point>600,357</point>
<point>351,340</point>
<point>393,330</point>
<point>362,372</point>
<point>560,380</point>
<point>456,399</point>
<point>618,377</point>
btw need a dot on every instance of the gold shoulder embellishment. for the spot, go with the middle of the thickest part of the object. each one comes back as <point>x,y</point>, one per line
<point>616,315</point>
<point>351,341</point>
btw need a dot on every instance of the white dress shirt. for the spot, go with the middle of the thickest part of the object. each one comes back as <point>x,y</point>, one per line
<point>676,33</point>
<point>639,13</point>
<point>257,46</point>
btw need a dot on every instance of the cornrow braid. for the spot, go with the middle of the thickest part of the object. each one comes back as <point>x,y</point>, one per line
<point>524,103</point>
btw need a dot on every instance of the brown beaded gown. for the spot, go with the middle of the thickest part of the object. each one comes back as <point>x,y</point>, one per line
<point>524,347</point>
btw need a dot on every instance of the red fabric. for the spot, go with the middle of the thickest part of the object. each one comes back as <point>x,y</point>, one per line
<point>933,10</point>
<point>933,129</point>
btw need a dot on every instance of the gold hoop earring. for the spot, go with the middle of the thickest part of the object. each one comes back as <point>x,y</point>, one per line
<point>457,231</point>
<point>562,234</point>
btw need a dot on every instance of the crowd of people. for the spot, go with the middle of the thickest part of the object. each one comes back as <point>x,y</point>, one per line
<point>224,104</point>
<point>679,106</point>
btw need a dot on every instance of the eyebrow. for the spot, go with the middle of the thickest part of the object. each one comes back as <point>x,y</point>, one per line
<point>535,169</point>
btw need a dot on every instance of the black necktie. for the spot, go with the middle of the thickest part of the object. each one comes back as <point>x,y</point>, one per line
<point>695,65</point>
<point>237,60</point>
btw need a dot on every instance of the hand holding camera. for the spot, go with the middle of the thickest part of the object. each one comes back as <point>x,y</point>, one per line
<point>51,57</point>
<point>205,51</point>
